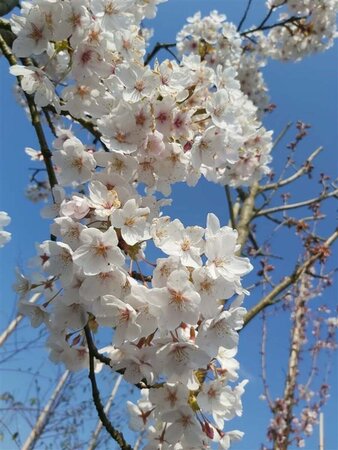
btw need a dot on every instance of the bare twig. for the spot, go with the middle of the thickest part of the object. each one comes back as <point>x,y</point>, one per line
<point>282,23</point>
<point>46,413</point>
<point>93,442</point>
<point>230,206</point>
<point>269,299</point>
<point>157,48</point>
<point>244,16</point>
<point>114,433</point>
<point>15,322</point>
<point>263,362</point>
<point>311,201</point>
<point>281,134</point>
<point>304,169</point>
<point>297,341</point>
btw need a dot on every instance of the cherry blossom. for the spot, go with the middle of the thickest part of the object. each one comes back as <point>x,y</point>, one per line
<point>5,236</point>
<point>98,252</point>
<point>174,326</point>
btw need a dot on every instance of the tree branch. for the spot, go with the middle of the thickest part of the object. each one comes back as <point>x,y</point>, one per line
<point>230,207</point>
<point>35,117</point>
<point>311,201</point>
<point>157,48</point>
<point>104,359</point>
<point>93,442</point>
<point>304,169</point>
<point>269,299</point>
<point>244,16</point>
<point>46,413</point>
<point>282,23</point>
<point>246,214</point>
<point>93,349</point>
<point>114,433</point>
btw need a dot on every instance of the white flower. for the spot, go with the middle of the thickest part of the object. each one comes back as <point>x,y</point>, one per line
<point>179,359</point>
<point>57,260</point>
<point>169,397</point>
<point>36,313</point>
<point>69,230</point>
<point>178,302</point>
<point>183,423</point>
<point>76,208</point>
<point>147,315</point>
<point>35,81</point>
<point>103,283</point>
<point>186,243</point>
<point>111,311</point>
<point>216,332</point>
<point>229,365</point>
<point>5,236</point>
<point>132,221</point>
<point>139,82</point>
<point>99,251</point>
<point>112,13</point>
<point>220,251</point>
<point>140,414</point>
<point>164,267</point>
<point>75,163</point>
<point>33,37</point>
<point>104,200</point>
<point>35,155</point>
<point>211,290</point>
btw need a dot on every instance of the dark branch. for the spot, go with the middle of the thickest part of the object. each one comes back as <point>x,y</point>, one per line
<point>282,23</point>
<point>244,15</point>
<point>230,207</point>
<point>114,433</point>
<point>35,117</point>
<point>157,48</point>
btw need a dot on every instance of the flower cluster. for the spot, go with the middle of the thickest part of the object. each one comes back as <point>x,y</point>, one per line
<point>310,26</point>
<point>219,44</point>
<point>5,236</point>
<point>175,330</point>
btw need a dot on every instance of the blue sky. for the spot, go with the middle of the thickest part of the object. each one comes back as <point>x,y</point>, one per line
<point>305,90</point>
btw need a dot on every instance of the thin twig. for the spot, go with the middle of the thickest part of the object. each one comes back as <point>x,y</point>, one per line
<point>114,433</point>
<point>35,117</point>
<point>157,48</point>
<point>263,362</point>
<point>269,299</point>
<point>311,201</point>
<point>282,23</point>
<point>93,442</point>
<point>281,135</point>
<point>93,349</point>
<point>304,169</point>
<point>244,16</point>
<point>230,206</point>
<point>49,121</point>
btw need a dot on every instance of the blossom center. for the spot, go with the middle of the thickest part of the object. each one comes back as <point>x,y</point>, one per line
<point>101,250</point>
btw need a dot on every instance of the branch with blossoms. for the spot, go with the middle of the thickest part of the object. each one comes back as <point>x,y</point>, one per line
<point>174,322</point>
<point>35,118</point>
